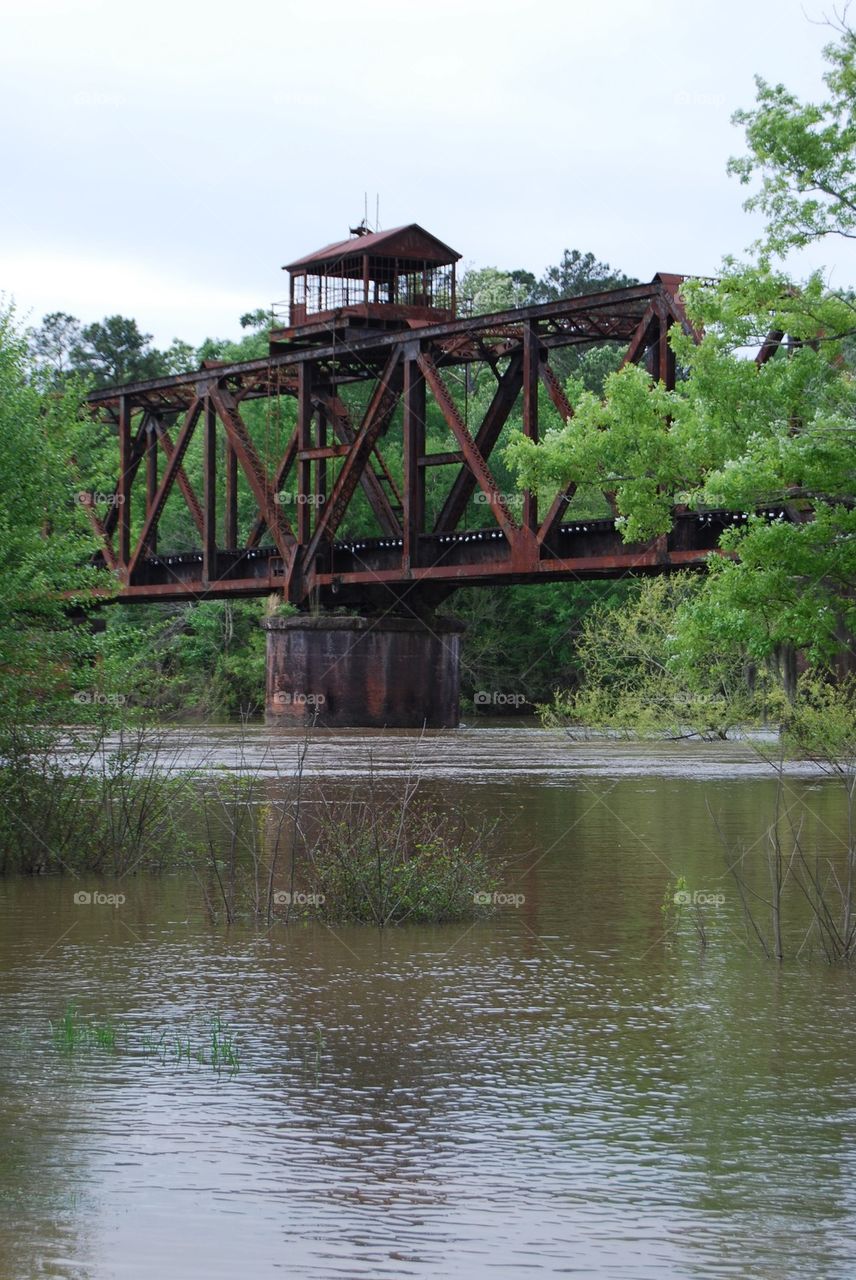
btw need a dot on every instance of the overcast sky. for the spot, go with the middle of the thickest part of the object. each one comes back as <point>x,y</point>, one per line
<point>163,160</point>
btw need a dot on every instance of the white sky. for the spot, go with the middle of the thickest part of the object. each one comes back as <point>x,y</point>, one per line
<point>162,160</point>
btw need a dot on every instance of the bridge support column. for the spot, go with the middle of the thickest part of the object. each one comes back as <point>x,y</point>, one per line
<point>363,672</point>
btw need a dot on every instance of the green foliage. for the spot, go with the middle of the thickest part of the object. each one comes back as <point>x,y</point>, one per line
<point>201,659</point>
<point>578,273</point>
<point>389,860</point>
<point>821,724</point>
<point>44,538</point>
<point>522,641</point>
<point>113,351</point>
<point>213,1045</point>
<point>114,814</point>
<point>487,289</point>
<point>54,344</point>
<point>741,437</point>
<point>638,676</point>
<point>733,435</point>
<point>804,154</point>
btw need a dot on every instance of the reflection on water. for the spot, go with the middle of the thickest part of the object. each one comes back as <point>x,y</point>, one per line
<point>552,1091</point>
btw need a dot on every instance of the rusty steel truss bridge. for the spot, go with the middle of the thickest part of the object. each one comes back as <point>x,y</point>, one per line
<point>301,552</point>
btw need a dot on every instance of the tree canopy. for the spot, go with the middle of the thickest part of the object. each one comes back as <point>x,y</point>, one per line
<point>743,434</point>
<point>804,154</point>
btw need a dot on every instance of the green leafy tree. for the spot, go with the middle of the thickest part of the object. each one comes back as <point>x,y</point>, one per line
<point>804,154</point>
<point>260,320</point>
<point>732,435</point>
<point>488,289</point>
<point>53,343</point>
<point>742,437</point>
<point>578,273</point>
<point>44,538</point>
<point>637,675</point>
<point>114,351</point>
<point>180,357</point>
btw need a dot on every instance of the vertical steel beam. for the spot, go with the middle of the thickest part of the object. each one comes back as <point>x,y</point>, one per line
<point>151,479</point>
<point>209,494</point>
<point>665,371</point>
<point>531,361</point>
<point>414,474</point>
<point>123,489</point>
<point>305,492</point>
<point>230,511</point>
<point>321,463</point>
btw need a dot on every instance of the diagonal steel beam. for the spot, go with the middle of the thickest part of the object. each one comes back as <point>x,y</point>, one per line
<point>556,391</point>
<point>770,346</point>
<point>380,409</point>
<point>165,486</point>
<point>486,437</point>
<point>369,480</point>
<point>285,465</point>
<point>97,524</point>
<point>641,338</point>
<point>554,516</point>
<point>472,454</point>
<point>249,461</point>
<point>137,452</point>
<point>193,504</point>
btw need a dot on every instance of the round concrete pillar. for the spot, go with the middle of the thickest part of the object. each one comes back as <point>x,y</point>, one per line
<point>363,672</point>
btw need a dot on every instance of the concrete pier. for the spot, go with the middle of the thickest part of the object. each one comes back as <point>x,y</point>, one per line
<point>363,672</point>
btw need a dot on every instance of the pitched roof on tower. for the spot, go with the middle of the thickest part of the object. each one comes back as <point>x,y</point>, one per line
<point>409,242</point>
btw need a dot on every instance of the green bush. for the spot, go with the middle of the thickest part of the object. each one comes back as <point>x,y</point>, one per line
<point>388,860</point>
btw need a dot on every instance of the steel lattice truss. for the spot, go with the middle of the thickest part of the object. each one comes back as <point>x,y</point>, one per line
<point>306,556</point>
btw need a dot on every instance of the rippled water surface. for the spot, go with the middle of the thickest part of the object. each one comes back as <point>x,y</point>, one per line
<point>556,1090</point>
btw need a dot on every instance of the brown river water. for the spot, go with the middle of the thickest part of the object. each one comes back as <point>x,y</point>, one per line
<point>556,1090</point>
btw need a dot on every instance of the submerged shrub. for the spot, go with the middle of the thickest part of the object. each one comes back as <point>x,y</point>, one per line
<point>387,859</point>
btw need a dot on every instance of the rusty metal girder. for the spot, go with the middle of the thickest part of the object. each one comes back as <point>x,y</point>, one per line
<point>562,323</point>
<point>406,365</point>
